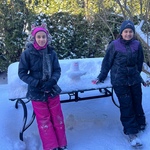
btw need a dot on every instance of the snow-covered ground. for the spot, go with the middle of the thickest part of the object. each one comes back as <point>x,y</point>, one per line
<point>90,125</point>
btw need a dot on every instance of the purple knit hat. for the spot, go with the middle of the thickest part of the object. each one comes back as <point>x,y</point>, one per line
<point>33,33</point>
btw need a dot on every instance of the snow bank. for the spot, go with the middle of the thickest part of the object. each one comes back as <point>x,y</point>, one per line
<point>77,74</point>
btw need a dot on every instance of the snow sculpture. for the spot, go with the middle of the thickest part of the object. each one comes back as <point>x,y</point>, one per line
<point>74,73</point>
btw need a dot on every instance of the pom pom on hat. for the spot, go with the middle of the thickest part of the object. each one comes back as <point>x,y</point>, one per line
<point>127,24</point>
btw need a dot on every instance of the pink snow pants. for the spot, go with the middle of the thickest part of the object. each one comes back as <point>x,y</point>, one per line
<point>50,123</point>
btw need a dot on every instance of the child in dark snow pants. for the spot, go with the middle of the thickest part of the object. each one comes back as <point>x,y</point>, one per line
<point>124,59</point>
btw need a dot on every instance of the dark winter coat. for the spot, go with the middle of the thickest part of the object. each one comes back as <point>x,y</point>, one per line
<point>124,60</point>
<point>31,71</point>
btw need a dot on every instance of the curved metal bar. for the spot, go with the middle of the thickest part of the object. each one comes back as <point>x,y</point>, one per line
<point>108,92</point>
<point>30,122</point>
<point>25,113</point>
<point>112,96</point>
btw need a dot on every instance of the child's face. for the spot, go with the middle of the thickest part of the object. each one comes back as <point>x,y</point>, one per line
<point>127,34</point>
<point>41,38</point>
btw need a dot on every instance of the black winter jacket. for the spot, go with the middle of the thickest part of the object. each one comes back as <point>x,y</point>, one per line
<point>31,71</point>
<point>124,60</point>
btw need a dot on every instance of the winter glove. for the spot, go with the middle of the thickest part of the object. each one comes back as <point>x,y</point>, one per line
<point>47,86</point>
<point>40,84</point>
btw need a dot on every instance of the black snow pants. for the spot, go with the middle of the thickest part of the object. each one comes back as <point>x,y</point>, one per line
<point>131,111</point>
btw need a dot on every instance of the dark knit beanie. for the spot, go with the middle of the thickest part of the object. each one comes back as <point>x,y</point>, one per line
<point>127,24</point>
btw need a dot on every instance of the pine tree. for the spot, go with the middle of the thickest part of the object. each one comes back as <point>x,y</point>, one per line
<point>13,17</point>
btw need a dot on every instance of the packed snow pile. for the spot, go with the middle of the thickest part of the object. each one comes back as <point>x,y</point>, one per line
<point>76,74</point>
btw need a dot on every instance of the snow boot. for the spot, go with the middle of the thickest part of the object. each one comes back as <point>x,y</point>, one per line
<point>134,140</point>
<point>63,148</point>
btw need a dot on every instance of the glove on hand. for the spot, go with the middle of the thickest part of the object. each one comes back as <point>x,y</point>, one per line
<point>40,84</point>
<point>47,86</point>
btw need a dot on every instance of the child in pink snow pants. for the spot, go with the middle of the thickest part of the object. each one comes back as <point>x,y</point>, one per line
<point>40,69</point>
<point>50,123</point>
